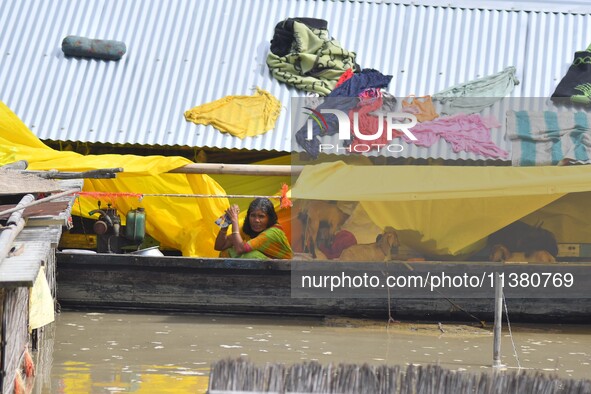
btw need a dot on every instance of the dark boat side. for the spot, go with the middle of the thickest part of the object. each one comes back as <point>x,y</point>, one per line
<point>208,285</point>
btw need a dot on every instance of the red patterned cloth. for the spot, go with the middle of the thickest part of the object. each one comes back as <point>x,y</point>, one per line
<point>342,240</point>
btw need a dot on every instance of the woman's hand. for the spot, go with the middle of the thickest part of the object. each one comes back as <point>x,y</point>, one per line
<point>235,237</point>
<point>233,213</point>
<point>223,241</point>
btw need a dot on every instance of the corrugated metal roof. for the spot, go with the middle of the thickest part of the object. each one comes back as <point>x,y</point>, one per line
<point>182,53</point>
<point>567,6</point>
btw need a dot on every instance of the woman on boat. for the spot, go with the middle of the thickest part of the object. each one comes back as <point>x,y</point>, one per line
<point>261,236</point>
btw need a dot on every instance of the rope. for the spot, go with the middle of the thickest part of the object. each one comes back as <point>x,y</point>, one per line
<point>208,195</point>
<point>86,237</point>
<point>285,202</point>
<point>140,196</point>
<point>510,333</point>
<point>390,319</point>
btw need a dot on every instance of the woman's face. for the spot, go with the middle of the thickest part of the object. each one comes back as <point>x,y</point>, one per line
<point>258,220</point>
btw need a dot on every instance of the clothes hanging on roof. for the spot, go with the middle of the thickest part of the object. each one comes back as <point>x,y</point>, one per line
<point>421,107</point>
<point>368,78</point>
<point>305,56</point>
<point>475,95</point>
<point>312,145</point>
<point>548,137</point>
<point>345,76</point>
<point>575,86</point>
<point>369,124</point>
<point>344,98</point>
<point>465,133</point>
<point>241,116</point>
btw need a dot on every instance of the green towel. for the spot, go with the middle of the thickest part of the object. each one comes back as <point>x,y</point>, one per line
<point>303,55</point>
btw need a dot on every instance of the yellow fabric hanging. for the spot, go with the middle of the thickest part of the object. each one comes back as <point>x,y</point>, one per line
<point>184,223</point>
<point>241,116</point>
<point>41,308</point>
<point>446,210</point>
<point>254,184</point>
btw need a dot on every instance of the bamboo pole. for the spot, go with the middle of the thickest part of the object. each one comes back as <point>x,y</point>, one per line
<point>238,169</point>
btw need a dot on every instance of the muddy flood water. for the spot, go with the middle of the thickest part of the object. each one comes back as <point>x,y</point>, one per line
<point>112,352</point>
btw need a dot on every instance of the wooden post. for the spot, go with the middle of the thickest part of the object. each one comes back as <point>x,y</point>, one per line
<point>498,321</point>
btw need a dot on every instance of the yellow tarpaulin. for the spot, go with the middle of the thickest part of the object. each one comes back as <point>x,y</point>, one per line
<point>260,185</point>
<point>184,223</point>
<point>443,210</point>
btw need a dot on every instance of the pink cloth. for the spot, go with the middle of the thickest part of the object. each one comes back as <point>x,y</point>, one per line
<point>470,133</point>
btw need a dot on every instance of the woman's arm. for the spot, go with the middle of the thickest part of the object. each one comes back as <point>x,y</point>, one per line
<point>235,238</point>
<point>222,241</point>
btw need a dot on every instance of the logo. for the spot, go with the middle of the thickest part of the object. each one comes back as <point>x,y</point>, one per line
<point>318,118</point>
<point>394,122</point>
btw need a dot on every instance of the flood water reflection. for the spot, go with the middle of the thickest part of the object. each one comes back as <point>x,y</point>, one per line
<point>110,352</point>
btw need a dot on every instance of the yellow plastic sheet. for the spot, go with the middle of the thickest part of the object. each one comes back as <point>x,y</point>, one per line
<point>445,210</point>
<point>261,185</point>
<point>41,309</point>
<point>184,223</point>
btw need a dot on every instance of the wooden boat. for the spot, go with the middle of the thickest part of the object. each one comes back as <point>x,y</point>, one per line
<point>212,285</point>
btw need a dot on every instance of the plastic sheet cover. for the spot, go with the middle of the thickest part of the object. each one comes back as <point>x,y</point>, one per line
<point>184,223</point>
<point>449,211</point>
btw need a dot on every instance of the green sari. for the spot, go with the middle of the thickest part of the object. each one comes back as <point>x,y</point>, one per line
<point>270,244</point>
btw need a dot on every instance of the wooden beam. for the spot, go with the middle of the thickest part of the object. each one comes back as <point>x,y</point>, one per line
<point>238,169</point>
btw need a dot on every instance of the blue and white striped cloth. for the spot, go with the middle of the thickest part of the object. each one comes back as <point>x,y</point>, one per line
<point>549,137</point>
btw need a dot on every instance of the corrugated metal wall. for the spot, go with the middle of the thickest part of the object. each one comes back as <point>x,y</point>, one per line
<point>182,53</point>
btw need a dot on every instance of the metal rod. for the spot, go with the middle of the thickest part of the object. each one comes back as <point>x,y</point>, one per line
<point>498,321</point>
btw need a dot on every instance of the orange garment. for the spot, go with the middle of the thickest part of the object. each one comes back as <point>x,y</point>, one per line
<point>241,116</point>
<point>421,107</point>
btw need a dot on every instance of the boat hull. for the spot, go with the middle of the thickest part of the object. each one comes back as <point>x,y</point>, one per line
<point>203,285</point>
